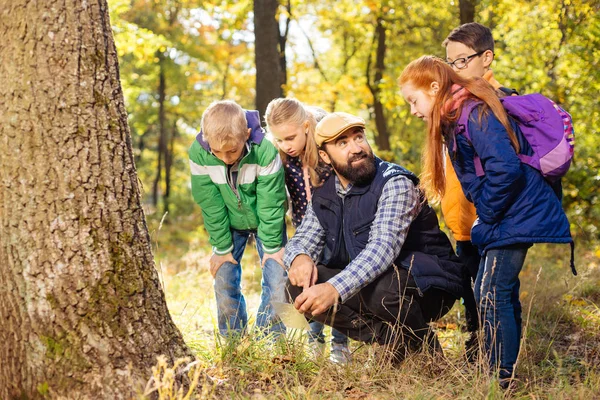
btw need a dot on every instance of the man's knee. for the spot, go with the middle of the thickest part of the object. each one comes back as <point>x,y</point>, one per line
<point>292,291</point>
<point>392,290</point>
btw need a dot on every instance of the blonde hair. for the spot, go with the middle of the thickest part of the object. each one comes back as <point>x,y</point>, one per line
<point>291,111</point>
<point>224,122</point>
<point>420,73</point>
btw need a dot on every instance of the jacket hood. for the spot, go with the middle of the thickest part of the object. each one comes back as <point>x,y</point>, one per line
<point>256,135</point>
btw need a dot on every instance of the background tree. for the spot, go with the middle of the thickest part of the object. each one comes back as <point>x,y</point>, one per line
<point>467,10</point>
<point>83,312</point>
<point>382,138</point>
<point>267,55</point>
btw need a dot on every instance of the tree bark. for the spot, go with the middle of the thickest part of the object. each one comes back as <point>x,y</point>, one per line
<point>83,313</point>
<point>467,10</point>
<point>266,51</point>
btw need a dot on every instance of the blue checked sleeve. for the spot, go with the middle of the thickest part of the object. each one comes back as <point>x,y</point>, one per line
<point>398,206</point>
<point>309,239</point>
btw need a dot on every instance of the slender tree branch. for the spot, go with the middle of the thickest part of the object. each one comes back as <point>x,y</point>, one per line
<point>314,54</point>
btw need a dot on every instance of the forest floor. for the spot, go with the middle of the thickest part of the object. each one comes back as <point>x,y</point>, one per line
<point>559,358</point>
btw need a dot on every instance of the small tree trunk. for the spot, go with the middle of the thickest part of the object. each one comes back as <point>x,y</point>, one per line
<point>382,139</point>
<point>83,313</point>
<point>266,50</point>
<point>467,10</point>
<point>168,167</point>
<point>162,129</point>
<point>282,44</point>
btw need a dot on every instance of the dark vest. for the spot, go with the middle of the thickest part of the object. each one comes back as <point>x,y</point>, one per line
<point>426,252</point>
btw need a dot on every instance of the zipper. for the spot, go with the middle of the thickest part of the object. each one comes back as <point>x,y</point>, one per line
<point>236,192</point>
<point>346,241</point>
<point>229,178</point>
<point>362,229</point>
<point>232,187</point>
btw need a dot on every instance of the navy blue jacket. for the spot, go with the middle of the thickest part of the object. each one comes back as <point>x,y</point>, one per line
<point>514,202</point>
<point>348,223</point>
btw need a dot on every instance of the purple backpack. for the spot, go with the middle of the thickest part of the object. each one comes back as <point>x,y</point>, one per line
<point>547,128</point>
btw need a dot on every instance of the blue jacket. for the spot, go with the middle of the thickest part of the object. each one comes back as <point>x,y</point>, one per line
<point>514,202</point>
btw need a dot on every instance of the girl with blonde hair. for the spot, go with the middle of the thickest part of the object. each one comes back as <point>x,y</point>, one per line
<point>292,125</point>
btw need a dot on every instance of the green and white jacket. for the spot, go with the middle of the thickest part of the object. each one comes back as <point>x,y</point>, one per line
<point>258,201</point>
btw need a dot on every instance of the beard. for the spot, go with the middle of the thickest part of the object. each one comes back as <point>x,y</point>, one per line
<point>360,175</point>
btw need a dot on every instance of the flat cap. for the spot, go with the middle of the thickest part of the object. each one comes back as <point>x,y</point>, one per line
<point>334,124</point>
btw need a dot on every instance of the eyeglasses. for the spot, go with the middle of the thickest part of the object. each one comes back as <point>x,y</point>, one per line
<point>461,63</point>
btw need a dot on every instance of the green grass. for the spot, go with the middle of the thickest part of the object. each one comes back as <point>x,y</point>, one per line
<point>559,359</point>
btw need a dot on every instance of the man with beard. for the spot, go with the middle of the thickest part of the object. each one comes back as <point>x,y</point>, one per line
<point>369,258</point>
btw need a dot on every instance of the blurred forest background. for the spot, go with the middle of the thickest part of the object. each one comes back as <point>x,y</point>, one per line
<point>177,56</point>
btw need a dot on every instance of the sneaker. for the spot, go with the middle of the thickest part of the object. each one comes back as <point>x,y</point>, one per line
<point>508,384</point>
<point>340,353</point>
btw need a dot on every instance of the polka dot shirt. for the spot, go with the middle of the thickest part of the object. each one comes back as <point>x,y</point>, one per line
<point>297,182</point>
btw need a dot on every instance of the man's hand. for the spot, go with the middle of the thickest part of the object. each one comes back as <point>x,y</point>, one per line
<point>217,260</point>
<point>275,256</point>
<point>317,299</point>
<point>303,271</point>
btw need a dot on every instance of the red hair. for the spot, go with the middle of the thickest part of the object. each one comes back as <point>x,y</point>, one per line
<point>421,73</point>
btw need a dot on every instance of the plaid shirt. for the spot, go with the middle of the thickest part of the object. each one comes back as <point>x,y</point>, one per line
<point>397,207</point>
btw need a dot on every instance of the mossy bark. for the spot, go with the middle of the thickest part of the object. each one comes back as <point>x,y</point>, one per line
<point>82,312</point>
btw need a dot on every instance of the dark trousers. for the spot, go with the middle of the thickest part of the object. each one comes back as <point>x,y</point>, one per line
<point>388,311</point>
<point>469,256</point>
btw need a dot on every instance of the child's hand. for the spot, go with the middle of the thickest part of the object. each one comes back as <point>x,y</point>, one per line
<point>275,256</point>
<point>217,260</point>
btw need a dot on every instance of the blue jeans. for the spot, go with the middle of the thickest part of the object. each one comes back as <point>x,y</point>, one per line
<point>497,294</point>
<point>231,305</point>
<point>316,334</point>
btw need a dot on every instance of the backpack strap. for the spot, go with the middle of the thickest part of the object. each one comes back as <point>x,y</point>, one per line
<point>462,128</point>
<point>508,91</point>
<point>573,270</point>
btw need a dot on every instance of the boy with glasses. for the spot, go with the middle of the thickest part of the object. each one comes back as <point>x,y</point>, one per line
<point>470,52</point>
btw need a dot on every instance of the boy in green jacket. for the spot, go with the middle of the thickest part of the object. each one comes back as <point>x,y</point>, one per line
<point>238,181</point>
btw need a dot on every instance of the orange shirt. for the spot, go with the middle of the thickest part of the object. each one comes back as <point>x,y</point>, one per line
<point>459,213</point>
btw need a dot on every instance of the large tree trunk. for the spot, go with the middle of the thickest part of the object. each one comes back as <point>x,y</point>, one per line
<point>266,50</point>
<point>82,311</point>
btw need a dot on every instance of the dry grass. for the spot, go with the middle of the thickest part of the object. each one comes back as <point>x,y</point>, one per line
<point>560,353</point>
